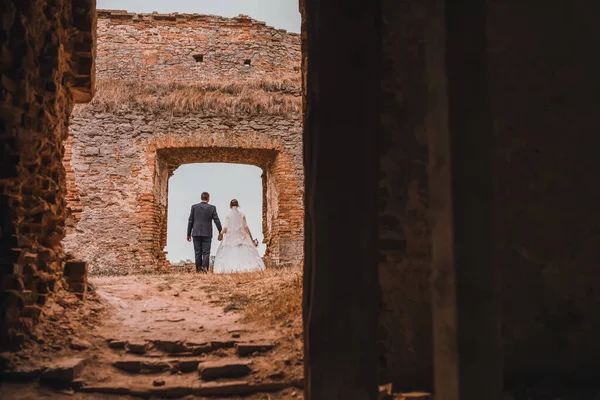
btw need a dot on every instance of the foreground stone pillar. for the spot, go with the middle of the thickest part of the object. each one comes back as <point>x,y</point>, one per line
<point>46,64</point>
<point>76,277</point>
<point>341,291</point>
<point>467,356</point>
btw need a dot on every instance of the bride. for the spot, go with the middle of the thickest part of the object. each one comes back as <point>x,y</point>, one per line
<point>237,251</point>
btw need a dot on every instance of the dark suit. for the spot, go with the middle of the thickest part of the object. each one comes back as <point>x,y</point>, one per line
<point>200,229</point>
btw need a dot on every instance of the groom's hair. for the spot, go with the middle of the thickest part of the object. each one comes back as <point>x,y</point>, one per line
<point>204,196</point>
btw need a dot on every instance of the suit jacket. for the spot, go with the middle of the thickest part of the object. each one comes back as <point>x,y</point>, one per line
<point>201,217</point>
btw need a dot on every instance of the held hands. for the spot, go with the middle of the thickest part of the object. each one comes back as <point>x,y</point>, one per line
<point>189,238</point>
<point>220,237</point>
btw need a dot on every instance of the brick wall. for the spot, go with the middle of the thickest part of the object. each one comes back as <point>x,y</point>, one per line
<point>169,46</point>
<point>46,62</point>
<point>122,174</point>
<point>121,155</point>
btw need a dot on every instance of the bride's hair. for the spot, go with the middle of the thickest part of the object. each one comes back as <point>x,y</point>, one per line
<point>234,203</point>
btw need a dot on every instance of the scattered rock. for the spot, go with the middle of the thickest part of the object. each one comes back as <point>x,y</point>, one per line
<point>56,347</point>
<point>117,344</point>
<point>62,373</point>
<point>137,347</point>
<point>158,382</point>
<point>80,344</point>
<point>210,370</point>
<point>245,349</point>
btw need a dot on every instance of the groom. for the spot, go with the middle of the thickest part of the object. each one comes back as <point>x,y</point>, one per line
<point>201,230</point>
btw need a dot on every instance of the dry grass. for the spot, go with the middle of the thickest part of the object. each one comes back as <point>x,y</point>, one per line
<point>273,296</point>
<point>252,97</point>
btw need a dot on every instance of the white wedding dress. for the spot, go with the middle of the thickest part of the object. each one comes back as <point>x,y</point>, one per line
<point>237,252</point>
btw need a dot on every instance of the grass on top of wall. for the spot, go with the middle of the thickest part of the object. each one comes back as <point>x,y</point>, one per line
<point>252,97</point>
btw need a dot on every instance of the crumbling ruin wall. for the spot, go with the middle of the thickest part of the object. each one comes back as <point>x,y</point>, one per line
<point>124,148</point>
<point>46,64</point>
<point>189,48</point>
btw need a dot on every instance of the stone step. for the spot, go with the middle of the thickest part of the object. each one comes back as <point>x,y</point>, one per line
<point>21,374</point>
<point>137,347</point>
<point>62,373</point>
<point>145,366</point>
<point>170,347</point>
<point>227,368</point>
<point>205,389</point>
<point>142,366</point>
<point>249,348</point>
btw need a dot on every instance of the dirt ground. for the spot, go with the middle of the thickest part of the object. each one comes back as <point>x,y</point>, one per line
<point>145,336</point>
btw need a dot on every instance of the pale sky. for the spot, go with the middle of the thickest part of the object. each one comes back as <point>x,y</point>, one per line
<point>222,181</point>
<point>281,14</point>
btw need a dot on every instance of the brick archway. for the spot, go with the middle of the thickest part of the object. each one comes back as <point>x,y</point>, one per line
<point>156,107</point>
<point>280,206</point>
<point>118,189</point>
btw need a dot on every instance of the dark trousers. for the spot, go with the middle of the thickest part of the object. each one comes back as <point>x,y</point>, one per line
<point>202,252</point>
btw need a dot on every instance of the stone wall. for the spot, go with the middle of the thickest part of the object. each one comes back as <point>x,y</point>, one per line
<point>46,55</point>
<point>542,90</point>
<point>184,47</point>
<point>122,152</point>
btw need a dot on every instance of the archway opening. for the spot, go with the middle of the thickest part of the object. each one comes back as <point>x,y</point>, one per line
<point>224,182</point>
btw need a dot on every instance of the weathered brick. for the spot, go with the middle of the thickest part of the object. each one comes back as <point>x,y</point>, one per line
<point>128,49</point>
<point>75,268</point>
